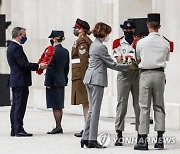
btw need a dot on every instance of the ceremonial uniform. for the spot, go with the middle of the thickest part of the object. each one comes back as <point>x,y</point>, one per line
<point>80,61</point>
<point>152,79</point>
<point>152,51</point>
<point>127,80</point>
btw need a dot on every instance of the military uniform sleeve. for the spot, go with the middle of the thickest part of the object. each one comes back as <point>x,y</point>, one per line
<point>116,48</point>
<point>168,54</point>
<point>66,69</point>
<point>49,73</point>
<point>138,51</point>
<point>83,51</point>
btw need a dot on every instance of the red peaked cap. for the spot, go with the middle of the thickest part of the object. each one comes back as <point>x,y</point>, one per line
<point>81,24</point>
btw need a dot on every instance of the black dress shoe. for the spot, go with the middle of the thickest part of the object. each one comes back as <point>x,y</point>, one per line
<point>23,134</point>
<point>56,131</point>
<point>95,144</point>
<point>79,134</point>
<point>12,133</point>
<point>84,142</point>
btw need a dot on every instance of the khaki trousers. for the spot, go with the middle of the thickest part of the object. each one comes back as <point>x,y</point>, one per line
<point>151,85</point>
<point>127,83</point>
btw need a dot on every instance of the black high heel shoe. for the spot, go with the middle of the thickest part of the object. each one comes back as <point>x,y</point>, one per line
<point>84,142</point>
<point>95,144</point>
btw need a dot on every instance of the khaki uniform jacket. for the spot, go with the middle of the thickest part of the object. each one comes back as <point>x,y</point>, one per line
<point>80,61</point>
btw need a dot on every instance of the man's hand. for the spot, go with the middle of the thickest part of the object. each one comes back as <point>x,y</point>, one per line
<point>43,66</point>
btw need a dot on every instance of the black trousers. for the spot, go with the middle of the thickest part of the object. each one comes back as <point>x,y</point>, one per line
<point>18,108</point>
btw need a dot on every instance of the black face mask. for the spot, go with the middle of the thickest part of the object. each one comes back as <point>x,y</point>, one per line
<point>129,34</point>
<point>76,32</point>
<point>52,42</point>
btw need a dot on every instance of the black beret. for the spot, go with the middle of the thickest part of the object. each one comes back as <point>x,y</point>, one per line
<point>128,25</point>
<point>56,33</point>
<point>82,24</point>
<point>153,17</point>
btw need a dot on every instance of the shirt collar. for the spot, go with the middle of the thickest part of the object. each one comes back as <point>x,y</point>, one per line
<point>123,41</point>
<point>16,42</point>
<point>57,44</point>
<point>154,33</point>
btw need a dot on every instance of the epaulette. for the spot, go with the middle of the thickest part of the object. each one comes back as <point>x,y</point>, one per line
<point>136,39</point>
<point>171,44</point>
<point>116,42</point>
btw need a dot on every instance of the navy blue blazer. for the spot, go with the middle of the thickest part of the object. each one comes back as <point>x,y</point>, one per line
<point>20,67</point>
<point>58,69</point>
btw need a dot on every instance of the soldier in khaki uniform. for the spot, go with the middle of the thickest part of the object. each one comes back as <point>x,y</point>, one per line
<point>80,61</point>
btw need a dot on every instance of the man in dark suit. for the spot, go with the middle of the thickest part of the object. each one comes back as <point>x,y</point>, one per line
<point>20,80</point>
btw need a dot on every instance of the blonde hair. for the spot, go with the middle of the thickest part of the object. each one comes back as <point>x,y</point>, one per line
<point>101,30</point>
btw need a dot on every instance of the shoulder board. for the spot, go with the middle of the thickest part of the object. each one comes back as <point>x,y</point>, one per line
<point>116,42</point>
<point>171,44</point>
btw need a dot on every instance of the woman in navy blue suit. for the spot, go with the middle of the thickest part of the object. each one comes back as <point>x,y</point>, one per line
<point>56,78</point>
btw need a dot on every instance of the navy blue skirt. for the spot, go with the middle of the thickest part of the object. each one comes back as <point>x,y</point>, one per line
<point>55,97</point>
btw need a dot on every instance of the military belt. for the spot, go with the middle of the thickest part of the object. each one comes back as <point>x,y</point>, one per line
<point>160,69</point>
<point>75,61</point>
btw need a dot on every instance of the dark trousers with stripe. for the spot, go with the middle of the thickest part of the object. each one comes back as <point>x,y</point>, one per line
<point>18,108</point>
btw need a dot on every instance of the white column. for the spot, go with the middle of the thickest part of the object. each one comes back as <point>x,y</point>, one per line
<point>170,23</point>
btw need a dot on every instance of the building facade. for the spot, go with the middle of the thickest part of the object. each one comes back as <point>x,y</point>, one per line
<point>39,17</point>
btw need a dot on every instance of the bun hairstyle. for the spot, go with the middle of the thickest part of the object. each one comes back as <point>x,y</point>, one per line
<point>60,38</point>
<point>88,32</point>
<point>101,30</point>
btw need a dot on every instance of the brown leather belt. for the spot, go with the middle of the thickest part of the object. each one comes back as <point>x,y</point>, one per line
<point>161,69</point>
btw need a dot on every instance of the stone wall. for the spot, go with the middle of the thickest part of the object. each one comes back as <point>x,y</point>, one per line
<point>39,17</point>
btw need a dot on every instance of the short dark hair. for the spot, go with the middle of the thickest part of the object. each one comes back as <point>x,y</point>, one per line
<point>101,30</point>
<point>154,25</point>
<point>17,31</point>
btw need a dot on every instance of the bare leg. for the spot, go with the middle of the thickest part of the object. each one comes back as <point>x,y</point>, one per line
<point>58,117</point>
<point>85,110</point>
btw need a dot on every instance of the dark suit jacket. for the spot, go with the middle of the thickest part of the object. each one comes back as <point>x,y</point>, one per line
<point>20,67</point>
<point>58,69</point>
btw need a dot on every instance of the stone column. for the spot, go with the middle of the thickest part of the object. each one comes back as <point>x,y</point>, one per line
<point>170,23</point>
